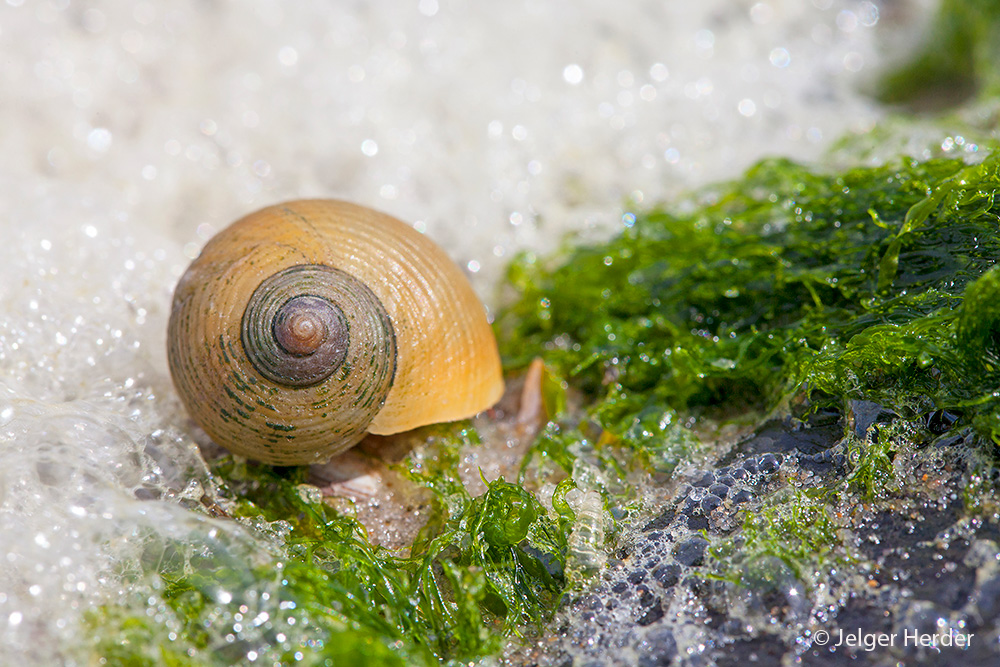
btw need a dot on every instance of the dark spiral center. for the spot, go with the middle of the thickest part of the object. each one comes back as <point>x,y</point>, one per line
<point>303,324</point>
<point>293,338</point>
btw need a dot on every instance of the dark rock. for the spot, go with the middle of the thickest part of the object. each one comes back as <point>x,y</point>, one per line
<point>720,490</point>
<point>915,558</point>
<point>866,415</point>
<point>667,575</point>
<point>740,474</point>
<point>660,522</point>
<point>938,576</point>
<point>859,612</point>
<point>894,531</point>
<point>654,614</point>
<point>709,503</point>
<point>768,464</point>
<point>830,461</point>
<point>742,496</point>
<point>691,551</point>
<point>646,598</point>
<point>940,421</point>
<point>705,480</point>
<point>762,650</point>
<point>821,431</point>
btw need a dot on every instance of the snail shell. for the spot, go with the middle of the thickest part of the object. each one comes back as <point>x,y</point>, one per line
<point>305,325</point>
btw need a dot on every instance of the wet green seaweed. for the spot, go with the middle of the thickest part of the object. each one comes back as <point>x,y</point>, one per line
<point>794,528</point>
<point>872,284</point>
<point>487,568</point>
<point>789,287</point>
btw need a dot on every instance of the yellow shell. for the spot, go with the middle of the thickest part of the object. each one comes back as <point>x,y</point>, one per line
<point>305,325</point>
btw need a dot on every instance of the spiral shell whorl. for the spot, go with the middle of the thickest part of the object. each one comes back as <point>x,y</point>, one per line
<point>253,394</point>
<point>296,329</point>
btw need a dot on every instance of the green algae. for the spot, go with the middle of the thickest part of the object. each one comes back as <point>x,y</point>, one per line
<point>871,459</point>
<point>789,282</point>
<point>486,568</point>
<point>789,287</point>
<point>794,528</point>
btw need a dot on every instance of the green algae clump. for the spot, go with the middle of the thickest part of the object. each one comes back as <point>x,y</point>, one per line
<point>786,283</point>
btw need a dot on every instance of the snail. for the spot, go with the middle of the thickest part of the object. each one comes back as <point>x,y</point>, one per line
<point>306,325</point>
